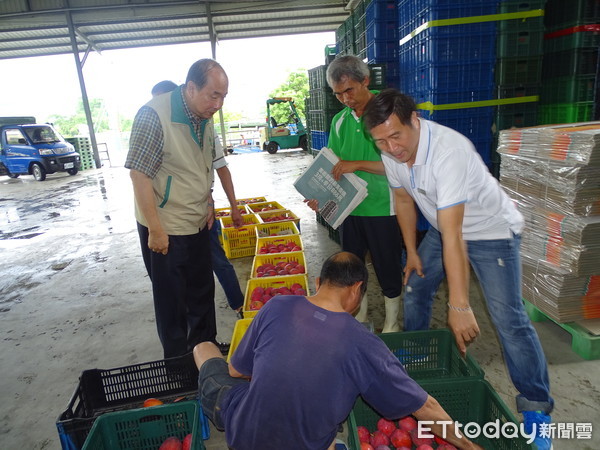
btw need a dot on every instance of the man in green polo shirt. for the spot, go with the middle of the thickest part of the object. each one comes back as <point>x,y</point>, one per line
<point>372,226</point>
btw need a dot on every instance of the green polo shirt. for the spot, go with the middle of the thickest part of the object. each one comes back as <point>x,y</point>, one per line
<point>351,142</point>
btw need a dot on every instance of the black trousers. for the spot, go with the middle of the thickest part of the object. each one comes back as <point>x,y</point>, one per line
<point>184,291</point>
<point>380,236</point>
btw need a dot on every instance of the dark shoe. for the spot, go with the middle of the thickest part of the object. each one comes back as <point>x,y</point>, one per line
<point>223,347</point>
<point>240,314</point>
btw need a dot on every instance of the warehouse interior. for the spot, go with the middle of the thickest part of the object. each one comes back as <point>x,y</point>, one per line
<point>480,67</point>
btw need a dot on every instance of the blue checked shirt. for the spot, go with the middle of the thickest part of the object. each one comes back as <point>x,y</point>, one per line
<point>146,141</point>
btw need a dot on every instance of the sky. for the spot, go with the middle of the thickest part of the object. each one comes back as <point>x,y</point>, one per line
<point>48,85</point>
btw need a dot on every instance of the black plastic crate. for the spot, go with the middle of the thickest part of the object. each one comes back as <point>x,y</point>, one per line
<point>108,390</point>
<point>580,61</point>
<point>571,89</point>
<point>564,14</point>
<point>569,39</point>
<point>377,77</point>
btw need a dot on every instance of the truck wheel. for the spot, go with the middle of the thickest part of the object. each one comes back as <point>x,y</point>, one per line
<point>303,143</point>
<point>13,175</point>
<point>272,147</point>
<point>72,171</point>
<point>38,172</point>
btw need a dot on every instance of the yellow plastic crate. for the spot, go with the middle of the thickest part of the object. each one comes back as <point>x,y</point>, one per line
<point>239,329</point>
<point>275,258</point>
<point>276,229</point>
<point>225,212</point>
<point>260,207</point>
<point>239,242</point>
<point>271,282</point>
<point>244,201</point>
<point>287,215</point>
<point>277,240</point>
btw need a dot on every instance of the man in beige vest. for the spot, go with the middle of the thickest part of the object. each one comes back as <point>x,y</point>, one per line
<point>171,151</point>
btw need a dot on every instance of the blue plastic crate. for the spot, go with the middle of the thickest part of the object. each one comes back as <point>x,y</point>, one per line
<point>473,77</point>
<point>382,31</point>
<point>457,95</point>
<point>382,51</point>
<point>474,123</point>
<point>381,10</point>
<point>319,139</point>
<point>464,44</point>
<point>412,14</point>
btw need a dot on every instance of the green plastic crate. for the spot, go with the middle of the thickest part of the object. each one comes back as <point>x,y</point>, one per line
<point>145,428</point>
<point>431,354</point>
<point>518,115</point>
<point>527,70</point>
<point>316,77</point>
<point>324,99</point>
<point>521,43</point>
<point>566,113</point>
<point>466,400</point>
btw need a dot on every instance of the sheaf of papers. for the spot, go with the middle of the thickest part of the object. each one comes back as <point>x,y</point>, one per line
<point>337,199</point>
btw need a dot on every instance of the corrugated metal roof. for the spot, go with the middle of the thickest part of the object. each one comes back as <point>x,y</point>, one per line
<point>40,27</point>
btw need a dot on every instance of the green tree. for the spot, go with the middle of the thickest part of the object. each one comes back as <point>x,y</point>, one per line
<point>70,125</point>
<point>296,86</point>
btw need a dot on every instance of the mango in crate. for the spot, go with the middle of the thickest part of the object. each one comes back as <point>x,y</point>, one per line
<point>279,269</point>
<point>260,296</point>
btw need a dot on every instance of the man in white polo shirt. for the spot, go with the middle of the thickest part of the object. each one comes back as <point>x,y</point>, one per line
<point>472,220</point>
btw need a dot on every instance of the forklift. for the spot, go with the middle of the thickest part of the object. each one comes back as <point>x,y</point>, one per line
<point>289,135</point>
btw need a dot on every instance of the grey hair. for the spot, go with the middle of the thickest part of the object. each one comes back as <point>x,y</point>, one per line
<point>347,66</point>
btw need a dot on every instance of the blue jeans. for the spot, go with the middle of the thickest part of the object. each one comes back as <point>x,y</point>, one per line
<point>224,270</point>
<point>497,264</point>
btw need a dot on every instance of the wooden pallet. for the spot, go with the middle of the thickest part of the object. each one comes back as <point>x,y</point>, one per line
<point>584,343</point>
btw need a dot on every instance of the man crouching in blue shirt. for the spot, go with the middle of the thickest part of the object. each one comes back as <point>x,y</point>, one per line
<point>308,360</point>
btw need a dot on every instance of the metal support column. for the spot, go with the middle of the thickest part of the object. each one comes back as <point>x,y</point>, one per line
<point>213,47</point>
<point>84,97</point>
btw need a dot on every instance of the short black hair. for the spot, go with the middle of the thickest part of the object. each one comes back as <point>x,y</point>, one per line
<point>162,87</point>
<point>386,103</point>
<point>198,73</point>
<point>344,269</point>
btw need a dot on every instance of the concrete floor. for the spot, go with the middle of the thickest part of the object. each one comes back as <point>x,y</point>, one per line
<point>74,295</point>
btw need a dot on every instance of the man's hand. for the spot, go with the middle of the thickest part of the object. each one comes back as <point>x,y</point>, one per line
<point>413,262</point>
<point>312,204</point>
<point>464,327</point>
<point>236,217</point>
<point>158,241</point>
<point>211,215</point>
<point>343,167</point>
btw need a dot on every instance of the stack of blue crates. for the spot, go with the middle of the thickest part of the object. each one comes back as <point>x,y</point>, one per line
<point>450,64</point>
<point>381,37</point>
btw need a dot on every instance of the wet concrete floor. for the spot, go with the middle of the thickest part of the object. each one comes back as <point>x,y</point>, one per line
<point>74,295</point>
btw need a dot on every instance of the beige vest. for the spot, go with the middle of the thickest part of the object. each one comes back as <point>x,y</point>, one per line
<point>182,185</point>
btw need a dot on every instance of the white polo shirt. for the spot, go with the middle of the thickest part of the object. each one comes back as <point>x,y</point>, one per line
<point>449,171</point>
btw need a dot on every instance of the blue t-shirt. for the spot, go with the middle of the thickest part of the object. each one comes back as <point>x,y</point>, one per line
<point>308,365</point>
